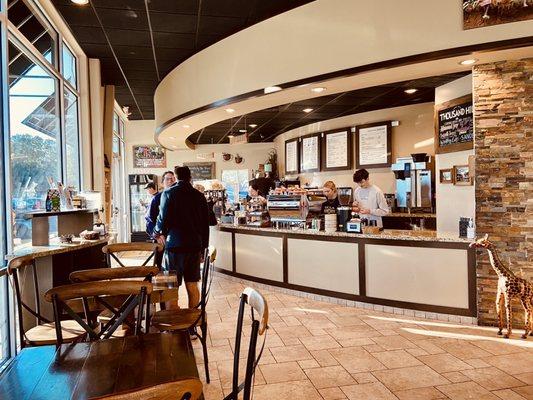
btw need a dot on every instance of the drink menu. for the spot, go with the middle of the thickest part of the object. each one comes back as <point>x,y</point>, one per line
<point>373,145</point>
<point>337,149</point>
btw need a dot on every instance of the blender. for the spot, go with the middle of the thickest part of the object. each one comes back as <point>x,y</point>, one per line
<point>344,211</point>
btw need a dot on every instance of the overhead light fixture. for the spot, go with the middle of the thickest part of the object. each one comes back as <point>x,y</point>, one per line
<point>174,146</point>
<point>470,61</point>
<point>253,126</point>
<point>171,137</point>
<point>410,91</point>
<point>80,2</point>
<point>272,89</point>
<point>230,110</point>
<point>242,130</point>
<point>230,135</point>
<point>318,89</point>
<point>186,126</point>
<point>307,110</point>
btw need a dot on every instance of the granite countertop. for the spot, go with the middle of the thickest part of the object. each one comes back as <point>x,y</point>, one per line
<point>393,234</point>
<point>413,215</point>
<point>55,247</point>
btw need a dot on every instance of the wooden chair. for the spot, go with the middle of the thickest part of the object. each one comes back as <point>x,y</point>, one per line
<point>186,389</point>
<point>111,251</point>
<point>191,318</point>
<point>44,332</point>
<point>259,315</point>
<point>136,293</point>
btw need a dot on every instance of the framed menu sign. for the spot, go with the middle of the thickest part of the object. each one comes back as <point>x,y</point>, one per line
<point>454,125</point>
<point>373,145</point>
<point>201,171</point>
<point>292,157</point>
<point>310,153</point>
<point>337,150</point>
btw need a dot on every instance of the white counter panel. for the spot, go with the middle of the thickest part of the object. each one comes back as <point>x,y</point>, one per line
<point>222,242</point>
<point>417,274</point>
<point>324,265</point>
<point>260,256</point>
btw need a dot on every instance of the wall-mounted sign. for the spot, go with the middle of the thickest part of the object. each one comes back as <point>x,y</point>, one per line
<point>373,145</point>
<point>292,157</point>
<point>201,171</point>
<point>478,14</point>
<point>454,125</point>
<point>337,150</point>
<point>149,156</point>
<point>310,153</point>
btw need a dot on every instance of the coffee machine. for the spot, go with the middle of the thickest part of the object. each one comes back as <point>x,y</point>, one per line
<point>414,184</point>
<point>344,211</point>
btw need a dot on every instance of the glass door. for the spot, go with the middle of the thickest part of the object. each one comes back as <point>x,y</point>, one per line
<point>118,221</point>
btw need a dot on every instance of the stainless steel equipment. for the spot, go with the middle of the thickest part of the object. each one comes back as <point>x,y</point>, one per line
<point>344,211</point>
<point>414,183</point>
<point>288,210</point>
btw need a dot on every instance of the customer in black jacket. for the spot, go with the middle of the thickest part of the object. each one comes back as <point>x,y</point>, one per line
<point>183,227</point>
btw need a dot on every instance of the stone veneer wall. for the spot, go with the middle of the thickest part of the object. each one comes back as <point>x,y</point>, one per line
<point>503,118</point>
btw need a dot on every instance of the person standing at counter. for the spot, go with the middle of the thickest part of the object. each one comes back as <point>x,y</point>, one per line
<point>369,200</point>
<point>183,227</point>
<point>332,200</point>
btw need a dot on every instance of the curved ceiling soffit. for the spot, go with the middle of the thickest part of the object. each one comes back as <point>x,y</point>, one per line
<point>269,100</point>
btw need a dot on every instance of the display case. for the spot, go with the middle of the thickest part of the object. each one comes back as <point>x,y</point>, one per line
<point>139,203</point>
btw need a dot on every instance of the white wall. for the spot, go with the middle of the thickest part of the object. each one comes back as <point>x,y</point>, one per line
<point>413,135</point>
<point>142,132</point>
<point>453,201</point>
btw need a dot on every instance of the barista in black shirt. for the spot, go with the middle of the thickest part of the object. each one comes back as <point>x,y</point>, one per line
<point>332,202</point>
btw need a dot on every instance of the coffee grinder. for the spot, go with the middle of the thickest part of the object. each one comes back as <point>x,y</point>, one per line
<point>344,211</point>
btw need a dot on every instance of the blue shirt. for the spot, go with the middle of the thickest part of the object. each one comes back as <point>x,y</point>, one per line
<point>152,213</point>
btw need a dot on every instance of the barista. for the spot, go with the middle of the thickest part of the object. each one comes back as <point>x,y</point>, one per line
<point>332,201</point>
<point>255,193</point>
<point>369,201</point>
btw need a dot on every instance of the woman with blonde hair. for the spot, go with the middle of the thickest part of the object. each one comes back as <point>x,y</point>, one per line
<point>332,201</point>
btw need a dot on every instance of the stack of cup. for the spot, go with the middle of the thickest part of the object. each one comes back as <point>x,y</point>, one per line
<point>330,223</point>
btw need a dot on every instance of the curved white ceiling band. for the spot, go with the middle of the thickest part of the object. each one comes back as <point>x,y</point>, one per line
<point>321,37</point>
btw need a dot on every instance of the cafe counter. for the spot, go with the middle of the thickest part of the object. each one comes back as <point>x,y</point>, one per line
<point>417,270</point>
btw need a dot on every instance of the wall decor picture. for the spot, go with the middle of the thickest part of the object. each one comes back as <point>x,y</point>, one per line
<point>446,175</point>
<point>337,150</point>
<point>461,175</point>
<point>373,145</point>
<point>310,153</point>
<point>481,13</point>
<point>292,157</point>
<point>149,156</point>
<point>454,125</point>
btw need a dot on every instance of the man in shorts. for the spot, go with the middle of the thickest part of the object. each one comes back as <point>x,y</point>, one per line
<point>183,227</point>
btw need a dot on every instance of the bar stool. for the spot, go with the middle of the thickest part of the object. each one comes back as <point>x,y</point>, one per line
<point>44,333</point>
<point>190,318</point>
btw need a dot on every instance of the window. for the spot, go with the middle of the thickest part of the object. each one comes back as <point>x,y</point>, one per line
<point>72,139</point>
<point>236,183</point>
<point>115,122</point>
<point>34,138</point>
<point>30,23</point>
<point>69,66</point>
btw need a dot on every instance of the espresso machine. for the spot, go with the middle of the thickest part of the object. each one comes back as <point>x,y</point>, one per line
<point>344,211</point>
<point>414,184</point>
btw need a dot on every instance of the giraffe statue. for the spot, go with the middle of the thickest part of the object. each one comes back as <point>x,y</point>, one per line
<point>509,287</point>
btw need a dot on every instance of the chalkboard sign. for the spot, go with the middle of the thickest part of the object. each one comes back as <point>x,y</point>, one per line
<point>201,170</point>
<point>454,125</point>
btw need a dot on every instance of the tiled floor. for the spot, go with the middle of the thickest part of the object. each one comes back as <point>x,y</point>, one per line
<point>317,350</point>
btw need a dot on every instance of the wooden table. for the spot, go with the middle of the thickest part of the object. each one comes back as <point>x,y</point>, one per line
<point>85,370</point>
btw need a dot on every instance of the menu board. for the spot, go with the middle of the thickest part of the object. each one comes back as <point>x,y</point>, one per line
<point>310,153</point>
<point>337,150</point>
<point>373,145</point>
<point>201,170</point>
<point>455,125</point>
<point>291,156</point>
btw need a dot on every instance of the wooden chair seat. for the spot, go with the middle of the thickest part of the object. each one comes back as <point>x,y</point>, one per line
<point>190,389</point>
<point>46,333</point>
<point>174,320</point>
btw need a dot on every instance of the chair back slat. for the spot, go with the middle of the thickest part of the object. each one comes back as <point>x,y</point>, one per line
<point>259,314</point>
<point>97,288</point>
<point>114,250</point>
<point>100,274</point>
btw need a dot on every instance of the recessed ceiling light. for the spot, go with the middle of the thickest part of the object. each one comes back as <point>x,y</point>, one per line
<point>230,110</point>
<point>253,126</point>
<point>468,62</point>
<point>242,130</point>
<point>174,146</point>
<point>318,89</point>
<point>80,2</point>
<point>307,110</point>
<point>272,89</point>
<point>410,91</point>
<point>186,126</point>
<point>230,135</point>
<point>171,137</point>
